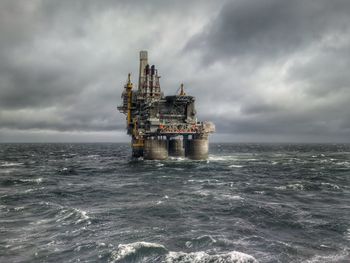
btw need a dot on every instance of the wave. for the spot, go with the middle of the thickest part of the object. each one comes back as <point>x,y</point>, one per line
<point>201,241</point>
<point>203,257</point>
<point>235,166</point>
<point>34,180</point>
<point>68,215</point>
<point>296,186</point>
<point>25,181</point>
<point>153,252</point>
<point>30,190</point>
<point>136,251</point>
<point>315,186</point>
<point>331,186</point>
<point>343,256</point>
<point>222,158</point>
<point>345,164</point>
<point>73,215</point>
<point>231,197</point>
<point>10,164</point>
<point>93,156</point>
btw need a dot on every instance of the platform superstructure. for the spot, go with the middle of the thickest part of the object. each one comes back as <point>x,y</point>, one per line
<point>162,126</point>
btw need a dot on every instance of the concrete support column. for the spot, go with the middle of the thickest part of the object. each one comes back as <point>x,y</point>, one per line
<point>197,149</point>
<point>137,152</point>
<point>176,148</point>
<point>155,149</point>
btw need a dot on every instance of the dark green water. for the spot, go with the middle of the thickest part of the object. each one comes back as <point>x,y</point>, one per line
<point>247,203</point>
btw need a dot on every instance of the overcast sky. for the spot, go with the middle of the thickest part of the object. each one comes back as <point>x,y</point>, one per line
<point>261,70</point>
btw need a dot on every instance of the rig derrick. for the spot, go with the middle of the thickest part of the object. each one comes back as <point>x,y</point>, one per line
<point>162,126</point>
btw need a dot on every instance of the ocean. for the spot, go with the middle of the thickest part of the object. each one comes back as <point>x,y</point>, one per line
<point>246,203</point>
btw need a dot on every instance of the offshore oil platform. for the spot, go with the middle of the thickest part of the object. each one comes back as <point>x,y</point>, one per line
<point>162,126</point>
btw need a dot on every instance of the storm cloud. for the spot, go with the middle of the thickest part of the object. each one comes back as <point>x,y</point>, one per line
<point>261,70</point>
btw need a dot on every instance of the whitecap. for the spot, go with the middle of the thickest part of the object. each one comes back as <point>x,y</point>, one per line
<point>232,197</point>
<point>217,158</point>
<point>295,186</point>
<point>33,189</point>
<point>35,180</point>
<point>222,158</point>
<point>333,186</point>
<point>136,250</point>
<point>94,156</point>
<point>345,164</point>
<point>200,241</point>
<point>336,257</point>
<point>203,257</point>
<point>101,244</point>
<point>235,166</point>
<point>177,158</point>
<point>82,214</point>
<point>10,164</point>
<point>203,193</point>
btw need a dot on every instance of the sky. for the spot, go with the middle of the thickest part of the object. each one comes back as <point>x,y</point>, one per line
<point>261,70</point>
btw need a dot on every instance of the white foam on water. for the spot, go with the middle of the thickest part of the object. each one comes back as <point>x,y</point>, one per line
<point>94,156</point>
<point>345,163</point>
<point>232,197</point>
<point>68,213</point>
<point>64,214</point>
<point>216,158</point>
<point>177,158</point>
<point>33,189</point>
<point>4,209</point>
<point>336,257</point>
<point>40,222</point>
<point>127,250</point>
<point>10,164</point>
<point>333,186</point>
<point>19,208</point>
<point>34,180</point>
<point>296,186</point>
<point>202,193</point>
<point>83,215</point>
<point>235,166</point>
<point>203,257</point>
<point>205,239</point>
<point>136,251</point>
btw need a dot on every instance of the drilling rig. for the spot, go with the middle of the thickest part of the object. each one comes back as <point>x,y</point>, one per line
<point>162,126</point>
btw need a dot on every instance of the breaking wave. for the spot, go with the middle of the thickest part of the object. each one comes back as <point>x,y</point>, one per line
<point>203,257</point>
<point>153,252</point>
<point>10,164</point>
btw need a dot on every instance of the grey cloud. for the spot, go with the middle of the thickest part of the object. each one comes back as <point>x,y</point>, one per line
<point>270,29</point>
<point>327,72</point>
<point>55,71</point>
<point>271,68</point>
